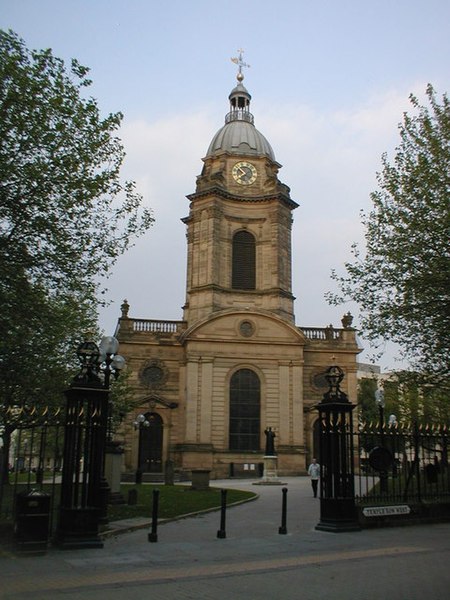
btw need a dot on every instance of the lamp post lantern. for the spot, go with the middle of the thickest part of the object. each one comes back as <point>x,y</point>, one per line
<point>337,494</point>
<point>139,424</point>
<point>83,493</point>
<point>380,402</point>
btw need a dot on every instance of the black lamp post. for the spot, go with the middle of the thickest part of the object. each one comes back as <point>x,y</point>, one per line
<point>110,364</point>
<point>381,457</point>
<point>379,399</point>
<point>83,493</point>
<point>139,424</point>
<point>337,494</point>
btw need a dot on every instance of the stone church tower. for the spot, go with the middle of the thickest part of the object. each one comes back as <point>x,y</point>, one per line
<point>210,384</point>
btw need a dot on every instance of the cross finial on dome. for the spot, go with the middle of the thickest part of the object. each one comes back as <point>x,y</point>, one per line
<point>238,61</point>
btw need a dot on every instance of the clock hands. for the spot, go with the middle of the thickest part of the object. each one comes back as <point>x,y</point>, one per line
<point>244,173</point>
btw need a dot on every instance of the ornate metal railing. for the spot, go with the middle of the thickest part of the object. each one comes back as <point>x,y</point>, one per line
<point>402,463</point>
<point>31,458</point>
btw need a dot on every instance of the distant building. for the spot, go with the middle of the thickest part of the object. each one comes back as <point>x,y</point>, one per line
<point>236,363</point>
<point>368,370</point>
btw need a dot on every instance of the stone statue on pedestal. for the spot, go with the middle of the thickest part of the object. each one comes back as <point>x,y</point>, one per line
<point>270,442</point>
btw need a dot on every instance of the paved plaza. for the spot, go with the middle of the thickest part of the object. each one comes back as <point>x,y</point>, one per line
<point>253,562</point>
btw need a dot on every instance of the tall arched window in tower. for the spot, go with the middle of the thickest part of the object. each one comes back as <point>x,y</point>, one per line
<point>244,261</point>
<point>245,391</point>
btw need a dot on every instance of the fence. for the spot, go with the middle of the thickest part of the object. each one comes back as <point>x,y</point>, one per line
<point>402,463</point>
<point>395,464</point>
<point>33,439</point>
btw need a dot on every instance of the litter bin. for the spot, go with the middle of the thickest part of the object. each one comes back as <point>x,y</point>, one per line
<point>32,520</point>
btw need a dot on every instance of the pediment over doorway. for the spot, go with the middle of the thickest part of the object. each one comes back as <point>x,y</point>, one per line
<point>246,327</point>
<point>153,401</point>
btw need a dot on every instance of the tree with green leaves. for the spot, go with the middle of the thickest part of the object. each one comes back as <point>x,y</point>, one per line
<point>368,411</point>
<point>65,217</point>
<point>401,280</point>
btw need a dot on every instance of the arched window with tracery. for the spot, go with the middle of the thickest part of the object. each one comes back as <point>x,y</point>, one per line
<point>244,261</point>
<point>245,400</point>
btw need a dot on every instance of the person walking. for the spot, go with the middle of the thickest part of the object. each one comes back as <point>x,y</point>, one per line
<point>314,473</point>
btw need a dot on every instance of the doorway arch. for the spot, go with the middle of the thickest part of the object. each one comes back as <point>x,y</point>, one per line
<point>151,444</point>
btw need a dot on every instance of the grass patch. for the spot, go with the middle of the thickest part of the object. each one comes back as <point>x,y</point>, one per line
<point>398,490</point>
<point>174,501</point>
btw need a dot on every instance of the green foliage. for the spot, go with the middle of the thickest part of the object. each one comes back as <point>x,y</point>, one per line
<point>424,404</point>
<point>366,399</point>
<point>369,410</point>
<point>405,399</point>
<point>401,282</point>
<point>65,217</point>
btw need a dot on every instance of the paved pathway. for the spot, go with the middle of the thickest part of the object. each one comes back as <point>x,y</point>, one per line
<point>254,562</point>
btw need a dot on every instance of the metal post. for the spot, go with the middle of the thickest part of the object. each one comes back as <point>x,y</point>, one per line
<point>138,475</point>
<point>417,459</point>
<point>140,424</point>
<point>337,501</point>
<point>384,472</point>
<point>283,530</point>
<point>222,533</point>
<point>80,505</point>
<point>83,497</point>
<point>153,535</point>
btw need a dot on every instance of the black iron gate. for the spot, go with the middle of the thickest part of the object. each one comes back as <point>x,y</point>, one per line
<point>402,463</point>
<point>31,458</point>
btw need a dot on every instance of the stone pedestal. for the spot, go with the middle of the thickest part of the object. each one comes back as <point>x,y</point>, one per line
<point>270,476</point>
<point>200,479</point>
<point>113,470</point>
<point>169,473</point>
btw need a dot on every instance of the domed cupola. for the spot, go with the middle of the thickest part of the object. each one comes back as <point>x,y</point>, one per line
<point>239,134</point>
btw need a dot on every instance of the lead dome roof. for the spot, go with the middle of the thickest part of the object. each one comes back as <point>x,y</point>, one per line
<point>239,135</point>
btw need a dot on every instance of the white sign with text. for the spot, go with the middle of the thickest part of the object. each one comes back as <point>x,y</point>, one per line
<point>381,511</point>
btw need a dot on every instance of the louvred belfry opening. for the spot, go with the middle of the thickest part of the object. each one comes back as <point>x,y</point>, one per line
<point>244,261</point>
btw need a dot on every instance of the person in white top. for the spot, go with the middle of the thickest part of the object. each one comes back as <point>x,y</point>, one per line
<point>314,473</point>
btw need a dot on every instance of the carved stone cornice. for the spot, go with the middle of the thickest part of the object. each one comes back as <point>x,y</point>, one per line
<point>220,192</point>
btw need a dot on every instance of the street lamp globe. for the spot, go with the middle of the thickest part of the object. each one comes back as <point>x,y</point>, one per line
<point>109,345</point>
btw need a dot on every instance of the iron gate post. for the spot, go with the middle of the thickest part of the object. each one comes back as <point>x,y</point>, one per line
<point>83,496</point>
<point>337,497</point>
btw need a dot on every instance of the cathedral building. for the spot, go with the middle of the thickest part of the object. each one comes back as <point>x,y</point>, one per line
<point>207,386</point>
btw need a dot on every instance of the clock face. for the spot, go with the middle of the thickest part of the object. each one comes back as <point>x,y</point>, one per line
<point>244,173</point>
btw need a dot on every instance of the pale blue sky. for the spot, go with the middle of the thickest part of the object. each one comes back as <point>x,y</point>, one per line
<point>329,81</point>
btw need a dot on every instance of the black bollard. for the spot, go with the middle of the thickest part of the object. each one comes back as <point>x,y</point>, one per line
<point>132,497</point>
<point>138,477</point>
<point>153,535</point>
<point>282,530</point>
<point>223,510</point>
